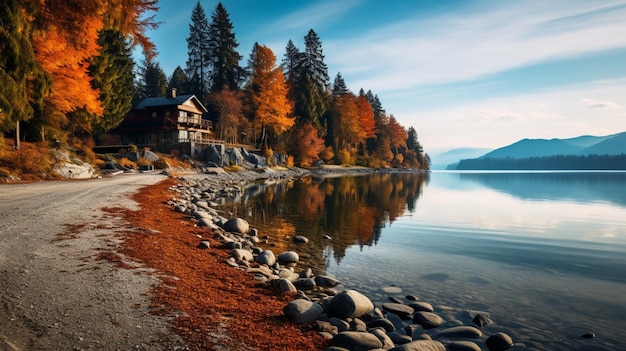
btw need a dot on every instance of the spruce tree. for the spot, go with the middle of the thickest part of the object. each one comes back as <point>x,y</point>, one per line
<point>289,63</point>
<point>179,81</point>
<point>151,80</point>
<point>198,52</point>
<point>112,72</point>
<point>222,46</point>
<point>339,86</point>
<point>312,83</point>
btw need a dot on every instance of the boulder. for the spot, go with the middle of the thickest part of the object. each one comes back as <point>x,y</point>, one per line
<point>289,257</point>
<point>427,320</point>
<point>464,331</point>
<point>462,346</point>
<point>236,225</point>
<point>303,311</point>
<point>266,257</point>
<point>420,345</point>
<point>499,342</point>
<point>241,254</point>
<point>400,310</point>
<point>356,341</point>
<point>349,304</point>
<point>284,285</point>
<point>326,281</point>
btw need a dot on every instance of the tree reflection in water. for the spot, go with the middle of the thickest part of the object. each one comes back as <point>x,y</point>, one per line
<point>351,210</point>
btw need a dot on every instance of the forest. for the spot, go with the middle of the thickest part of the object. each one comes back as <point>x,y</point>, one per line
<point>560,162</point>
<point>67,75</point>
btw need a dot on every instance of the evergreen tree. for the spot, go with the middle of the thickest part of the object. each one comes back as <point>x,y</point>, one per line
<point>151,80</point>
<point>312,83</point>
<point>112,72</point>
<point>339,86</point>
<point>289,63</point>
<point>21,78</point>
<point>198,52</point>
<point>222,47</point>
<point>179,81</point>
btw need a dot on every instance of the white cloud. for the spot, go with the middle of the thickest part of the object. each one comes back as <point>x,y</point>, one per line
<point>469,44</point>
<point>593,103</point>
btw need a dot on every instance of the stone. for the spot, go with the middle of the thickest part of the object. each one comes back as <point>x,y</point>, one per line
<point>289,257</point>
<point>303,311</point>
<point>243,255</point>
<point>401,310</point>
<point>381,323</point>
<point>422,306</point>
<point>412,297</point>
<point>300,239</point>
<point>236,225</point>
<point>464,331</point>
<point>383,337</point>
<point>356,341</point>
<point>399,338</point>
<point>304,283</point>
<point>284,285</point>
<point>266,257</point>
<point>349,304</point>
<point>421,345</point>
<point>499,342</point>
<point>326,281</point>
<point>428,320</point>
<point>204,244</point>
<point>462,346</point>
<point>339,323</point>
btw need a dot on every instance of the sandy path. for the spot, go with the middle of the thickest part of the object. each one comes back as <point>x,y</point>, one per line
<point>55,291</point>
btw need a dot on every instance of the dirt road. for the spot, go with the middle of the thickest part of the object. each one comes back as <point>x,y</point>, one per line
<point>56,291</point>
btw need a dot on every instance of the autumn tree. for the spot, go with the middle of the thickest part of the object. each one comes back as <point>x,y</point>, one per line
<point>131,18</point>
<point>230,113</point>
<point>112,72</point>
<point>307,145</point>
<point>64,43</point>
<point>366,119</point>
<point>271,109</point>
<point>199,54</point>
<point>222,46</point>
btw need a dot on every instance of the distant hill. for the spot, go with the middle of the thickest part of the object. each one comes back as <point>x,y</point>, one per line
<point>614,144</point>
<point>442,160</point>
<point>583,152</point>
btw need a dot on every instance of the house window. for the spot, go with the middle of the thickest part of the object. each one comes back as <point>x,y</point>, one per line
<point>153,114</point>
<point>167,114</point>
<point>183,113</point>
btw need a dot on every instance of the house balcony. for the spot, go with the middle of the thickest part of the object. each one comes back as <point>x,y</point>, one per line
<point>195,122</point>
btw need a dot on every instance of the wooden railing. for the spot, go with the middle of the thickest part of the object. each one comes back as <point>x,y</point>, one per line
<point>195,121</point>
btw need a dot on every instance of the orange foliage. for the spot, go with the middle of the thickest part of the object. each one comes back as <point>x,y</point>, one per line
<point>63,48</point>
<point>272,107</point>
<point>366,117</point>
<point>308,145</point>
<point>129,17</point>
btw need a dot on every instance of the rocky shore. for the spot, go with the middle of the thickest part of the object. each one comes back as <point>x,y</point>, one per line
<point>346,318</point>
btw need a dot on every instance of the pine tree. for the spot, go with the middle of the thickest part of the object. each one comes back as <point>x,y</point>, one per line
<point>179,81</point>
<point>339,86</point>
<point>151,80</point>
<point>198,52</point>
<point>222,47</point>
<point>289,63</point>
<point>112,72</point>
<point>311,83</point>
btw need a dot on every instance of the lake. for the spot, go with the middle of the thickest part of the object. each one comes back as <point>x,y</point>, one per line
<point>543,252</point>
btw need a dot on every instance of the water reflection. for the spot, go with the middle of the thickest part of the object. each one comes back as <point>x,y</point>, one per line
<point>351,210</point>
<point>577,186</point>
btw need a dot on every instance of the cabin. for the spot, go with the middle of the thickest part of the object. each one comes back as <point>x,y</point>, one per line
<point>166,123</point>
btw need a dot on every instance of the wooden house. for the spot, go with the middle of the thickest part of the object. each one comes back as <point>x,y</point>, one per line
<point>167,122</point>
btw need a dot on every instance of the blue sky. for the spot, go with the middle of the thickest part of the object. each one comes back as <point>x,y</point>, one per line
<point>463,73</point>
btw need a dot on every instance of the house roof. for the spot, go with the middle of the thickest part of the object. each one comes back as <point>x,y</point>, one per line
<point>168,101</point>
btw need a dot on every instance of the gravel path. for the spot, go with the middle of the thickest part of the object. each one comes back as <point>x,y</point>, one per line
<point>56,291</point>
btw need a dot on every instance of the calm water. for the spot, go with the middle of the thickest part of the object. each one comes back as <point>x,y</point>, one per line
<point>543,253</point>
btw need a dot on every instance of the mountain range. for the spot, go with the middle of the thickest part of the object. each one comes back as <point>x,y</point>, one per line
<point>614,144</point>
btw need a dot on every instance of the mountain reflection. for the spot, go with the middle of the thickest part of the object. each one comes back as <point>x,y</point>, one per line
<point>577,186</point>
<point>351,210</point>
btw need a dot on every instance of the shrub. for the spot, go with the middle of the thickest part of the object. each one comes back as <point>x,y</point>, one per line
<point>126,163</point>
